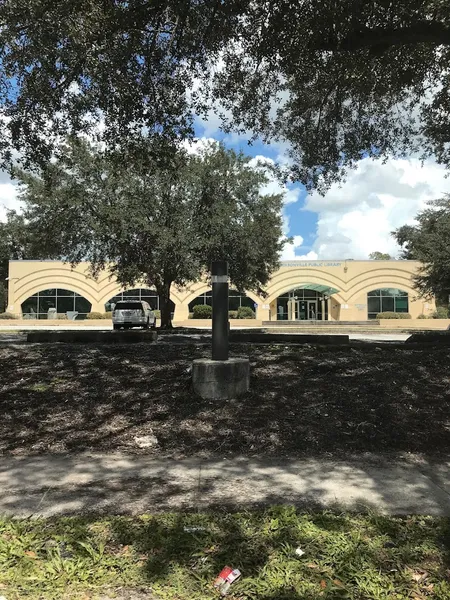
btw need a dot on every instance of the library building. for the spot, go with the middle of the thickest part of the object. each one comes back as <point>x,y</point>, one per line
<point>321,290</point>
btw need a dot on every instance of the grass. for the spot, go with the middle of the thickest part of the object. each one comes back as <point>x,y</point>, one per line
<point>356,557</point>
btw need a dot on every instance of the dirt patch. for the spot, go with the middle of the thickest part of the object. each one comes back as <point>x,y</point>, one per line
<point>304,401</point>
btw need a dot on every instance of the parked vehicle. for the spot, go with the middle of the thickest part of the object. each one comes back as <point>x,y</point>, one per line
<point>133,313</point>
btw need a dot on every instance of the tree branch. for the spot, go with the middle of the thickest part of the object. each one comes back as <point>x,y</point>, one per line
<point>418,33</point>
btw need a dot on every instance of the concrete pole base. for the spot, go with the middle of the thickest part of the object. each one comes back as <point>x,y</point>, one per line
<point>221,379</point>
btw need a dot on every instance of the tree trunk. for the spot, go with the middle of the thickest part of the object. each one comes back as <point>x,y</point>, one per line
<point>164,306</point>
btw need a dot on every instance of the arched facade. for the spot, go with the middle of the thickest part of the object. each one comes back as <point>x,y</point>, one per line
<point>348,283</point>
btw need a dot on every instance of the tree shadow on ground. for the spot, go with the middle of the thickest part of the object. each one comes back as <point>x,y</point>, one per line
<point>304,401</point>
<point>344,555</point>
<point>110,484</point>
<point>179,555</point>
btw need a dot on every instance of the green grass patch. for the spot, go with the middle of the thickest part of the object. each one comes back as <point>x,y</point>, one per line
<point>345,556</point>
<point>40,387</point>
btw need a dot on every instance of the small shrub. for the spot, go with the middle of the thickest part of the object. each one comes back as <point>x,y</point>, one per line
<point>393,315</point>
<point>441,312</point>
<point>157,314</point>
<point>7,316</point>
<point>202,311</point>
<point>245,312</point>
<point>422,317</point>
<point>107,315</point>
<point>233,314</point>
<point>61,317</point>
<point>94,316</point>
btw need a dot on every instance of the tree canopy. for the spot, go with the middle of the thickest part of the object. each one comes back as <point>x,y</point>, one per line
<point>151,225</point>
<point>13,246</point>
<point>335,80</point>
<point>4,258</point>
<point>428,242</point>
<point>377,255</point>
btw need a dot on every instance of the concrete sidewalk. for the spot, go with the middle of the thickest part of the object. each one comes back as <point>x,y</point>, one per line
<point>117,483</point>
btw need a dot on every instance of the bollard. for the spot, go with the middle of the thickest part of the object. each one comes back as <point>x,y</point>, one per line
<point>220,377</point>
<point>220,324</point>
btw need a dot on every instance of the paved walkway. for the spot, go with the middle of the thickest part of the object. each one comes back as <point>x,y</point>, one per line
<point>116,483</point>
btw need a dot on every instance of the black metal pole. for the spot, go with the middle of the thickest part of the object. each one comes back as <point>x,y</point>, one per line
<point>219,272</point>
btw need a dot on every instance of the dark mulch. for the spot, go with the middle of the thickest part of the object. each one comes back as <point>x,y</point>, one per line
<point>304,401</point>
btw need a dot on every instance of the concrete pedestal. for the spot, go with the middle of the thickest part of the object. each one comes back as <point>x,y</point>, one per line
<point>221,379</point>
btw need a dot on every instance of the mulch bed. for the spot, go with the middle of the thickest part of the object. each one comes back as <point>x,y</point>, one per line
<point>304,401</point>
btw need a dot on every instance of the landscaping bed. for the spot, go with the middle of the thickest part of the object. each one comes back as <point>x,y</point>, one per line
<point>304,401</point>
<point>282,554</point>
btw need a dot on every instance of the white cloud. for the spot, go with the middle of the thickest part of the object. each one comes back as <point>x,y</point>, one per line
<point>358,216</point>
<point>8,197</point>
<point>289,250</point>
<point>197,145</point>
<point>274,185</point>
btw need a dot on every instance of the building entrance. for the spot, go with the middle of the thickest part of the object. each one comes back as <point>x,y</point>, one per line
<point>305,304</point>
<point>306,310</point>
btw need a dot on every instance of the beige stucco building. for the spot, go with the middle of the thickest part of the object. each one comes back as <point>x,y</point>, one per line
<point>338,290</point>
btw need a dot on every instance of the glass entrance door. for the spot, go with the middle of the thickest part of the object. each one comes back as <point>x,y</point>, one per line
<point>312,310</point>
<point>301,310</point>
<point>306,310</point>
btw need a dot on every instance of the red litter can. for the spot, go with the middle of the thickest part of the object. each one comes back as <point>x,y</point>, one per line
<point>222,576</point>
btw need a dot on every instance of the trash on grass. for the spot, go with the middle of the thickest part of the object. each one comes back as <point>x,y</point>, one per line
<point>221,577</point>
<point>146,441</point>
<point>225,578</point>
<point>235,574</point>
<point>193,529</point>
<point>299,552</point>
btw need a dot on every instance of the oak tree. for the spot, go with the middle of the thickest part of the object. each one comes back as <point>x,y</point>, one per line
<point>377,255</point>
<point>333,80</point>
<point>152,225</point>
<point>428,242</point>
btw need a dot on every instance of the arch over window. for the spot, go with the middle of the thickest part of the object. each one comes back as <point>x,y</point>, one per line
<point>235,300</point>
<point>387,300</point>
<point>144,294</point>
<point>38,305</point>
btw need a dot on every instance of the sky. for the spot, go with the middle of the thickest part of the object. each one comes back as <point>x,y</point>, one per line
<point>353,219</point>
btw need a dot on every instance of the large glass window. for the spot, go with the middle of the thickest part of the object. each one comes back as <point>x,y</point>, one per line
<point>38,305</point>
<point>386,300</point>
<point>143,294</point>
<point>235,300</point>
